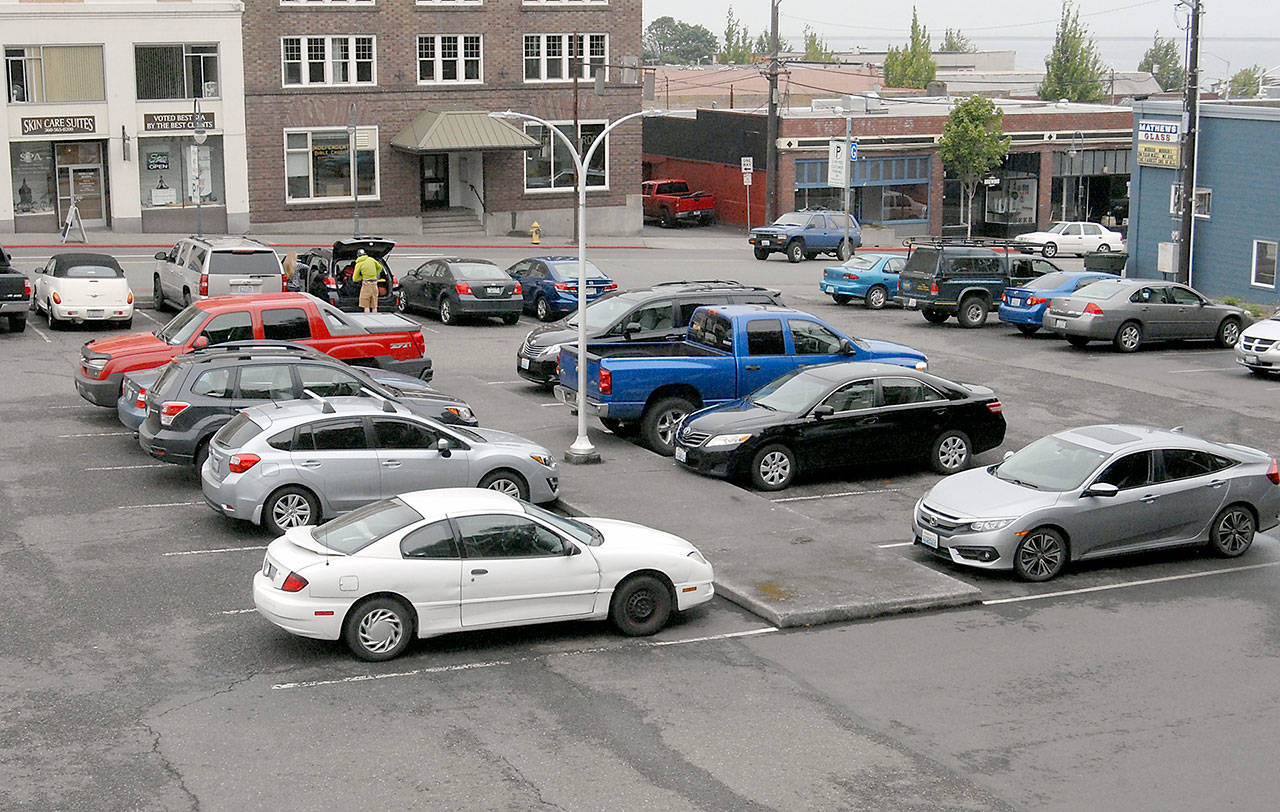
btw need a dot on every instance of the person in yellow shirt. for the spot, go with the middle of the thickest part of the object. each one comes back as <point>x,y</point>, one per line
<point>366,275</point>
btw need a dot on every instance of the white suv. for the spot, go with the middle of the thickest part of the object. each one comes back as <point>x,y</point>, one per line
<point>199,267</point>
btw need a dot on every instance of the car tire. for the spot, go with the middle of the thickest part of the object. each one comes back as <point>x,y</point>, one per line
<point>795,251</point>
<point>665,219</point>
<point>1050,249</point>
<point>761,253</point>
<point>402,303</point>
<point>641,606</point>
<point>877,297</point>
<point>202,454</point>
<point>1232,531</point>
<point>55,323</point>
<point>542,309</point>
<point>1104,249</point>
<point>506,481</point>
<point>1079,342</point>
<point>658,425</point>
<point>378,629</point>
<point>446,311</point>
<point>844,250</point>
<point>1228,333</point>
<point>934,316</point>
<point>1028,329</point>
<point>841,298</point>
<point>127,324</point>
<point>972,312</point>
<point>1128,337</point>
<point>1040,555</point>
<point>773,468</point>
<point>1261,372</point>
<point>157,293</point>
<point>951,452</point>
<point>18,323</point>
<point>290,506</point>
<point>510,318</point>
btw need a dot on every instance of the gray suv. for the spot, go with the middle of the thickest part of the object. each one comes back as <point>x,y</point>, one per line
<point>302,462</point>
<point>199,267</point>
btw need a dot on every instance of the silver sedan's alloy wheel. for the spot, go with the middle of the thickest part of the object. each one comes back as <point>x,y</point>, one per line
<point>507,486</point>
<point>380,631</point>
<point>1233,532</point>
<point>953,452</point>
<point>1040,556</point>
<point>1229,333</point>
<point>291,510</point>
<point>1129,338</point>
<point>775,468</point>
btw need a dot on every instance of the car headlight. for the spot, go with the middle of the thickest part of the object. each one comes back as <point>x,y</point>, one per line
<point>922,366</point>
<point>543,459</point>
<point>549,352</point>
<point>96,364</point>
<point>727,440</point>
<point>461,412</point>
<point>697,556</point>
<point>987,525</point>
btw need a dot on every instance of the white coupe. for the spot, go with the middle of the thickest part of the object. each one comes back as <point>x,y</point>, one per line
<point>1072,238</point>
<point>454,559</point>
<point>82,287</point>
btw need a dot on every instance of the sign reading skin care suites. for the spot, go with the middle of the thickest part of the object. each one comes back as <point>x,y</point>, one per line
<point>1160,144</point>
<point>58,125</point>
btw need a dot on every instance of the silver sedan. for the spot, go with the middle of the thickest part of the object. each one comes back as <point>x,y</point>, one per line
<point>1130,312</point>
<point>1097,491</point>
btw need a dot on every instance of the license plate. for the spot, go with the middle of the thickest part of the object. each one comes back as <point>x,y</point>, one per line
<point>268,569</point>
<point>1251,359</point>
<point>764,242</point>
<point>524,363</point>
<point>1059,322</point>
<point>826,288</point>
<point>244,289</point>
<point>1016,302</point>
<point>681,454</point>
<point>929,538</point>
<point>911,303</point>
<point>96,314</point>
<point>493,291</point>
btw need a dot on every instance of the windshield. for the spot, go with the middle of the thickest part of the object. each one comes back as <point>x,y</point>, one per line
<point>795,218</point>
<point>922,261</point>
<point>181,327</point>
<point>603,312</point>
<point>363,526</point>
<point>1050,281</point>
<point>240,430</point>
<point>577,530</point>
<point>1050,464</point>
<point>569,270</point>
<point>791,393</point>
<point>1057,228</point>
<point>254,262</point>
<point>1100,290</point>
<point>479,270</point>
<point>168,376</point>
<point>861,263</point>
<point>94,272</point>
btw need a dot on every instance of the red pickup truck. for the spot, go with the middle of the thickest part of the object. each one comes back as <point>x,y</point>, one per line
<point>383,340</point>
<point>670,201</point>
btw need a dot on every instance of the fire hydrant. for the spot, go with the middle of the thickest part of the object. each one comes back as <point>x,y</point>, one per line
<point>535,233</point>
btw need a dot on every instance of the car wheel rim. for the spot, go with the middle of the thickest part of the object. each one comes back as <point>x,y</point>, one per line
<point>775,467</point>
<point>641,605</point>
<point>1129,337</point>
<point>542,309</point>
<point>444,310</point>
<point>952,453</point>
<point>667,423</point>
<point>974,313</point>
<point>504,485</point>
<point>877,298</point>
<point>1230,334</point>
<point>1040,556</point>
<point>1235,531</point>
<point>291,510</point>
<point>380,631</point>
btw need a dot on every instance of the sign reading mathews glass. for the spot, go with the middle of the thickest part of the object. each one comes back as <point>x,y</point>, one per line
<point>164,122</point>
<point>1160,144</point>
<point>58,125</point>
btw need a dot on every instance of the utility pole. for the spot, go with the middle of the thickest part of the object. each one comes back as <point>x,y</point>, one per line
<point>1191,126</point>
<point>771,145</point>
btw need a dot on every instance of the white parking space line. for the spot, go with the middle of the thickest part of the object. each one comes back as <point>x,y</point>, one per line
<point>97,434</point>
<point>896,544</point>
<point>207,552</point>
<point>1128,584</point>
<point>1206,369</point>
<point>40,333</point>
<point>158,505</point>
<point>442,669</point>
<point>146,316</point>
<point>130,467</point>
<point>834,495</point>
<point>551,405</point>
<point>235,611</point>
<point>71,406</point>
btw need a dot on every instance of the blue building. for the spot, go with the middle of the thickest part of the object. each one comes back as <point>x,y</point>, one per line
<point>1237,222</point>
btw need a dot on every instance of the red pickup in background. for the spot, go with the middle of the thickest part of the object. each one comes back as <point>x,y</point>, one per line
<point>670,201</point>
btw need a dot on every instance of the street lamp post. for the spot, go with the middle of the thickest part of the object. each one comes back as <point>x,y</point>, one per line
<point>582,451</point>
<point>199,134</point>
<point>355,169</point>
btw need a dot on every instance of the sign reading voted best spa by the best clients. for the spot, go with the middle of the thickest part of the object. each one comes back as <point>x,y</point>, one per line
<point>58,125</point>
<point>164,122</point>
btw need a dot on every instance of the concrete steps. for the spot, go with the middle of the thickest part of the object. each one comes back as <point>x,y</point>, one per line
<point>451,221</point>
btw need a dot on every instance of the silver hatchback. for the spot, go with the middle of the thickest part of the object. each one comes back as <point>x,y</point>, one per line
<point>304,461</point>
<point>1096,491</point>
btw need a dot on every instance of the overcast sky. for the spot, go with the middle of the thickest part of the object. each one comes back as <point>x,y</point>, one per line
<point>1237,32</point>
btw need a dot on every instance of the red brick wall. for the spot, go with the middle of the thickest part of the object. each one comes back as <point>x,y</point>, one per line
<point>722,180</point>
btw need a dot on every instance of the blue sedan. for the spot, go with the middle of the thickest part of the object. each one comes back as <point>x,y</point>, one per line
<point>550,285</point>
<point>869,277</point>
<point>1024,307</point>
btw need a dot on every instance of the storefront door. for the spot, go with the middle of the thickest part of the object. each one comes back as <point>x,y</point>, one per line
<point>83,184</point>
<point>435,181</point>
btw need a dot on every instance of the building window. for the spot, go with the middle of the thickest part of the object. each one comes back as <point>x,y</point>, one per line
<point>176,71</point>
<point>318,165</point>
<point>551,167</point>
<point>449,58</point>
<point>173,172</point>
<point>1204,201</point>
<point>552,57</point>
<point>1264,264</point>
<point>55,73</point>
<point>328,60</point>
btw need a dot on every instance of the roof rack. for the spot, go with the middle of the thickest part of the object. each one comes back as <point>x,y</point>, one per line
<point>387,405</point>
<point>968,242</point>
<point>255,347</point>
<point>701,282</point>
<point>325,406</point>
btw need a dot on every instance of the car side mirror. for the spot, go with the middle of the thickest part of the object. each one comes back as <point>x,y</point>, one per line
<point>631,329</point>
<point>846,347</point>
<point>201,342</point>
<point>1101,489</point>
<point>823,410</point>
<point>162,254</point>
<point>442,445</point>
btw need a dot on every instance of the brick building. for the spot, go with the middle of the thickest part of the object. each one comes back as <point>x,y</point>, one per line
<point>416,78</point>
<point>1067,161</point>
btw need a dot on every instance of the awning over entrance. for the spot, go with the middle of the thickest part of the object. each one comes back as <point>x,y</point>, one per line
<point>459,130</point>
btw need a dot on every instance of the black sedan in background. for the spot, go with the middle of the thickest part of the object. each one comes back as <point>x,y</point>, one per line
<point>454,287</point>
<point>841,414</point>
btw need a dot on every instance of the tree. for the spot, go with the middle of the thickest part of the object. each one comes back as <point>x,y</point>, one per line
<point>815,48</point>
<point>1163,61</point>
<point>671,41</point>
<point>737,48</point>
<point>1246,83</point>
<point>1072,70</point>
<point>911,65</point>
<point>972,144</point>
<point>955,42</point>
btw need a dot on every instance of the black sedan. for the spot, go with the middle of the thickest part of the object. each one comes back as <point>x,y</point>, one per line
<point>841,414</point>
<point>454,287</point>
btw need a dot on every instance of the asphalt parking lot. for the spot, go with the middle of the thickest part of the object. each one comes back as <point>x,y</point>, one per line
<point>140,675</point>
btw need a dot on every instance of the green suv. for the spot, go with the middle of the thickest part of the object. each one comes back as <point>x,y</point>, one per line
<point>967,280</point>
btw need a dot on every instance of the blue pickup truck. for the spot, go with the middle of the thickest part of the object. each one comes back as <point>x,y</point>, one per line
<point>728,352</point>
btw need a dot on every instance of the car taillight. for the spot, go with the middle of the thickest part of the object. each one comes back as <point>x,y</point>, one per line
<point>420,344</point>
<point>1273,472</point>
<point>56,298</point>
<point>934,288</point>
<point>204,284</point>
<point>294,583</point>
<point>284,284</point>
<point>129,298</point>
<point>611,286</point>
<point>1093,308</point>
<point>852,277</point>
<point>171,409</point>
<point>1037,300</point>
<point>239,463</point>
<point>463,288</point>
<point>393,280</point>
<point>606,382</point>
<point>995,407</point>
<point>1004,297</point>
<point>562,286</point>
<point>26,288</point>
<point>518,293</point>
<point>141,402</point>
<point>330,282</point>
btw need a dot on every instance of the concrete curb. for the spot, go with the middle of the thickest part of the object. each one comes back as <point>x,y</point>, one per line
<point>784,618</point>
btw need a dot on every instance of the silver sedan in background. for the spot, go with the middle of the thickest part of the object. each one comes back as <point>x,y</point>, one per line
<point>1130,312</point>
<point>1097,491</point>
